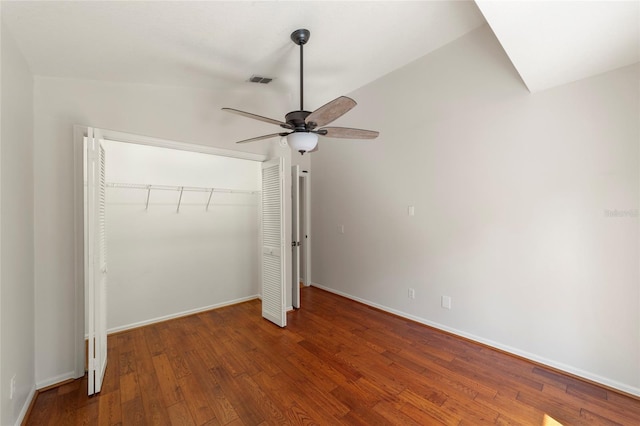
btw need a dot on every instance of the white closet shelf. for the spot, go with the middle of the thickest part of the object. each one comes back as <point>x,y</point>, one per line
<point>181,189</point>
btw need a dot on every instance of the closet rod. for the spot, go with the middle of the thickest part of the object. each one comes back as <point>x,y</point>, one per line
<point>179,188</point>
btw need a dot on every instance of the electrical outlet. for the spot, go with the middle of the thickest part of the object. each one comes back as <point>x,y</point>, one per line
<point>411,211</point>
<point>412,293</point>
<point>446,302</point>
<point>12,388</point>
<point>340,229</point>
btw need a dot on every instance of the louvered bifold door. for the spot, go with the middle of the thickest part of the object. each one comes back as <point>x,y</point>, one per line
<point>96,264</point>
<point>295,235</point>
<point>273,277</point>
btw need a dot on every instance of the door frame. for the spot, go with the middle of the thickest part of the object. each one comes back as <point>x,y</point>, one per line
<point>305,230</point>
<point>300,218</point>
<point>79,133</point>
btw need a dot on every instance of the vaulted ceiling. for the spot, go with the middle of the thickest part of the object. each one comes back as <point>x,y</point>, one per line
<point>220,44</point>
<point>555,42</point>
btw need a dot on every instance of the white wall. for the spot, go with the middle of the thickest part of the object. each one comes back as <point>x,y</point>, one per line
<point>16,228</point>
<point>163,262</point>
<point>171,113</point>
<point>510,192</point>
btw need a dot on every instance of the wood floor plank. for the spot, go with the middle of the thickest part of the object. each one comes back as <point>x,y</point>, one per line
<point>471,411</point>
<point>433,409</point>
<point>552,404</point>
<point>295,401</point>
<point>340,366</point>
<point>112,372</point>
<point>126,362</point>
<point>337,362</point>
<point>178,365</point>
<point>154,407</point>
<point>361,393</point>
<point>365,417</point>
<point>327,401</point>
<point>195,397</point>
<point>457,382</point>
<point>393,414</point>
<point>153,339</point>
<point>179,415</point>
<point>518,413</point>
<point>87,414</point>
<point>66,413</point>
<point>241,401</point>
<point>168,384</point>
<point>587,403</point>
<point>129,388</point>
<point>296,415</point>
<point>133,412</point>
<point>109,409</point>
<point>218,402</point>
<point>44,407</point>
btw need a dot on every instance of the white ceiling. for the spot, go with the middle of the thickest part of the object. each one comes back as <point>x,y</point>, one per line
<point>220,44</point>
<point>556,42</point>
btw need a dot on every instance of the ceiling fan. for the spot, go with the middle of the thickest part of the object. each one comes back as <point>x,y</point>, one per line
<point>304,126</point>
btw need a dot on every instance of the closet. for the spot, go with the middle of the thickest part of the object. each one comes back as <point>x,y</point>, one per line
<point>182,232</point>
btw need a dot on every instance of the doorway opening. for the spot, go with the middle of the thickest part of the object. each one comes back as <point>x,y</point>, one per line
<point>300,241</point>
<point>171,205</point>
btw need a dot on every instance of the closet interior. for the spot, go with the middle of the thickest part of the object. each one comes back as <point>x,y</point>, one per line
<point>182,232</point>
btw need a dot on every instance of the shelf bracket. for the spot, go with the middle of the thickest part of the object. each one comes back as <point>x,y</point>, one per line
<point>146,207</point>
<point>180,199</point>
<point>209,200</point>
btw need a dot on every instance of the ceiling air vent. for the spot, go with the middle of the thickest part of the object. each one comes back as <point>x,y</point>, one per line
<point>259,79</point>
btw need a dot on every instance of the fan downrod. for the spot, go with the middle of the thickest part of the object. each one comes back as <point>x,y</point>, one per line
<point>300,36</point>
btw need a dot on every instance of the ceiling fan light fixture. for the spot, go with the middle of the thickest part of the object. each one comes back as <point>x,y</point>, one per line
<point>305,126</point>
<point>302,141</point>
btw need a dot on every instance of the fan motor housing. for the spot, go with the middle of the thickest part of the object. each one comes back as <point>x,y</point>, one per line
<point>296,120</point>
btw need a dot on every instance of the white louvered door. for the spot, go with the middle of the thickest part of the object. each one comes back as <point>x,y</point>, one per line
<point>95,261</point>
<point>295,235</point>
<point>273,274</point>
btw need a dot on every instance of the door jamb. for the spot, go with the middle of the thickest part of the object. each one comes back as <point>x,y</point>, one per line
<point>306,230</point>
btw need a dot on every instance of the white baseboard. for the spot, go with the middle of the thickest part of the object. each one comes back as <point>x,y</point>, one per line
<point>180,314</point>
<point>25,407</point>
<point>55,380</point>
<point>506,348</point>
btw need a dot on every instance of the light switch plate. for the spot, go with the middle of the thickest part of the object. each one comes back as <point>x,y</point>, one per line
<point>446,302</point>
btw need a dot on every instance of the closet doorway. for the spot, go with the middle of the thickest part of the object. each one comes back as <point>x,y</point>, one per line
<point>183,230</point>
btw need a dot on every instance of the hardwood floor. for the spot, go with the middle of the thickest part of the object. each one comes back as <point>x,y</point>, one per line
<point>337,362</point>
